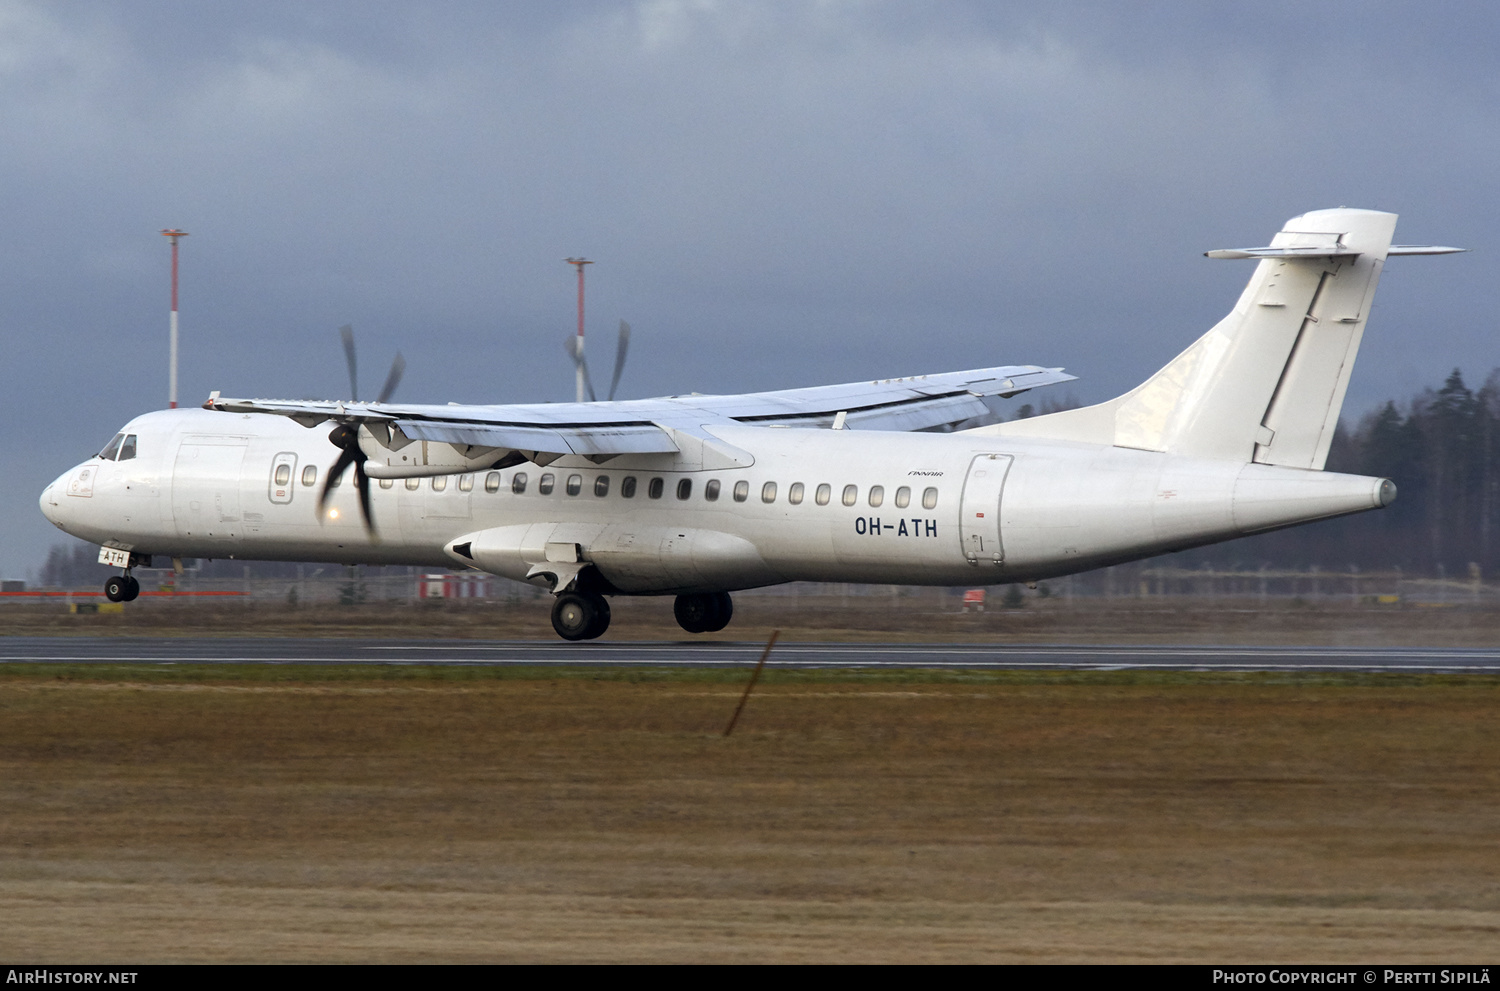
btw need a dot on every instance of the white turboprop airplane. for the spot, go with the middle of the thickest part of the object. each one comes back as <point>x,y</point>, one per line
<point>698,496</point>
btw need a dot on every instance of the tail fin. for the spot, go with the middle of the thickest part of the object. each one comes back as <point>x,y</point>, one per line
<point>1267,382</point>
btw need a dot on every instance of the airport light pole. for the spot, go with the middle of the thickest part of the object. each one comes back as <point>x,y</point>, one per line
<point>175,235</point>
<point>578,263</point>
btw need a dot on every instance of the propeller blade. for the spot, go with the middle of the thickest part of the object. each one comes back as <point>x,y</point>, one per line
<point>393,379</point>
<point>345,437</point>
<point>575,351</point>
<point>346,457</point>
<point>363,482</point>
<point>620,349</point>
<point>347,333</point>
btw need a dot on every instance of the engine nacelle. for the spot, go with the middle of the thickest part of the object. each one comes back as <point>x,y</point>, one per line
<point>402,457</point>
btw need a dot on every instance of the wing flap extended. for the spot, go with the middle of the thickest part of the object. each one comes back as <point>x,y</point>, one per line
<point>915,403</point>
<point>587,439</point>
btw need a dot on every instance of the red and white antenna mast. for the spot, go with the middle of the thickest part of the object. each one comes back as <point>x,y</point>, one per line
<point>578,263</point>
<point>175,235</point>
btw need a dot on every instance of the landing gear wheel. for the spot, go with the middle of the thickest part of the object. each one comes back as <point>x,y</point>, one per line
<point>117,589</point>
<point>580,616</point>
<point>707,612</point>
<point>132,588</point>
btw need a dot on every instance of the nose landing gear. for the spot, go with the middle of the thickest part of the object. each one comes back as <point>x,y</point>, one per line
<point>122,588</point>
<point>580,615</point>
<point>707,612</point>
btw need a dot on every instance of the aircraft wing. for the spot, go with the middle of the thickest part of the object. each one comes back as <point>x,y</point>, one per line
<point>644,426</point>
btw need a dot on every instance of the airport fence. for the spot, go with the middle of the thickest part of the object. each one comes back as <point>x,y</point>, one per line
<point>314,585</point>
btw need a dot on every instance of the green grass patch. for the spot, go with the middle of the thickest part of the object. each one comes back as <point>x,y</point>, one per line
<point>168,673</point>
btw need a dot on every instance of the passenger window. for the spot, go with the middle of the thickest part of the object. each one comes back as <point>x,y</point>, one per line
<point>386,483</point>
<point>466,483</point>
<point>492,482</point>
<point>851,495</point>
<point>283,474</point>
<point>127,449</point>
<point>877,496</point>
<point>824,493</point>
<point>768,492</point>
<point>546,483</point>
<point>794,494</point>
<point>112,448</point>
<point>518,483</point>
<point>684,488</point>
<point>601,486</point>
<point>929,499</point>
<point>903,497</point>
<point>627,487</point>
<point>741,491</point>
<point>575,484</point>
<point>412,484</point>
<point>439,482</point>
<point>711,490</point>
<point>310,475</point>
<point>654,490</point>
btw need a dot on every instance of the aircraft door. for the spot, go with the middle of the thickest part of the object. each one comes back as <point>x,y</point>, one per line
<point>979,515</point>
<point>283,478</point>
<point>206,487</point>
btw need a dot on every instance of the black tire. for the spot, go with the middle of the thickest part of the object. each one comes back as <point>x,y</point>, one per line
<point>697,613</point>
<point>601,618</point>
<point>115,590</point>
<point>580,616</point>
<point>132,589</point>
<point>723,612</point>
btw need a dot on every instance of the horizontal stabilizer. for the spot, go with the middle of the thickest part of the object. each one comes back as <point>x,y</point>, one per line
<point>1328,251</point>
<point>1423,249</point>
<point>1310,251</point>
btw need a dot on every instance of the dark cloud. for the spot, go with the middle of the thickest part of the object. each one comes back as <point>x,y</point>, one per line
<point>776,194</point>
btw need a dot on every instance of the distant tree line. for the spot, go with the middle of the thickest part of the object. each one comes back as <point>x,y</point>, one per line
<point>1442,449</point>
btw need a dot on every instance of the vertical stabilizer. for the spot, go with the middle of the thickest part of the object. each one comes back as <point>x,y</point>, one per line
<point>1267,382</point>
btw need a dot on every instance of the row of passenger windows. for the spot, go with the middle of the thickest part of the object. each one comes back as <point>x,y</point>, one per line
<point>656,487</point>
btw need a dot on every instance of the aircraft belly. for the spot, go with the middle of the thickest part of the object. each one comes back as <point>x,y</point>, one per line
<point>633,558</point>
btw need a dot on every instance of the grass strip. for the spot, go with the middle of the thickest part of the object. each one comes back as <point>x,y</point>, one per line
<point>170,673</point>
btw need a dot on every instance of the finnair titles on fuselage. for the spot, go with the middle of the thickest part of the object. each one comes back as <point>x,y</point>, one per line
<point>699,496</point>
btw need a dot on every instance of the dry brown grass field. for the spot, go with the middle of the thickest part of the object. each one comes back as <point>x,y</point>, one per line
<point>398,814</point>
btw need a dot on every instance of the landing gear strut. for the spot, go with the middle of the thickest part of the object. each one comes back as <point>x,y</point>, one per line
<point>122,588</point>
<point>707,612</point>
<point>580,615</point>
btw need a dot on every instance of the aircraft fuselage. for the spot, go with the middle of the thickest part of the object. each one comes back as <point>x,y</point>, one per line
<point>751,506</point>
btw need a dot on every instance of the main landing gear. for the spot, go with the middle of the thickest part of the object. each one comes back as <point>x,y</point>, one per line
<point>580,615</point>
<point>707,612</point>
<point>122,588</point>
<point>585,615</point>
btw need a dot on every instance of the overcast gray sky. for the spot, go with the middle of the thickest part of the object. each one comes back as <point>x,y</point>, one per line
<point>775,194</point>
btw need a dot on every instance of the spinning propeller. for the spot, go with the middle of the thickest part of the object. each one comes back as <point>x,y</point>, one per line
<point>345,436</point>
<point>575,351</point>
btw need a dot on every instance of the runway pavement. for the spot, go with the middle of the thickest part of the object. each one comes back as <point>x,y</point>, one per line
<point>75,650</point>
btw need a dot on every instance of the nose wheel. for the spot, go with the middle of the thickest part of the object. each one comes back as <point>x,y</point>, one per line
<point>122,588</point>
<point>707,612</point>
<point>580,616</point>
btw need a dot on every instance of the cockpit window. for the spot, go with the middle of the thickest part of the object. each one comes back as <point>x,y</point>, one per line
<point>112,448</point>
<point>127,449</point>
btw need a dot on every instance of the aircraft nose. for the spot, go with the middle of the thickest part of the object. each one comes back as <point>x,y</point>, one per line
<point>49,500</point>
